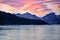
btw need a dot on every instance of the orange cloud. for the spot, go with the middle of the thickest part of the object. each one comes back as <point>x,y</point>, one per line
<point>7,8</point>
<point>37,7</point>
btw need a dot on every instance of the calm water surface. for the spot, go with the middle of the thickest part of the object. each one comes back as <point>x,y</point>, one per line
<point>30,32</point>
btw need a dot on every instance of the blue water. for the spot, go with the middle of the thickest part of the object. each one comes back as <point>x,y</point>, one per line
<point>30,32</point>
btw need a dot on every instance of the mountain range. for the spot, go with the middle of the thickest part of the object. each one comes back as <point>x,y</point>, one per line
<point>28,18</point>
<point>11,19</point>
<point>27,15</point>
<point>50,18</point>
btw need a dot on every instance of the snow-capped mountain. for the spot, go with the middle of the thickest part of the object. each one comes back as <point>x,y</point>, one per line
<point>27,15</point>
<point>51,18</point>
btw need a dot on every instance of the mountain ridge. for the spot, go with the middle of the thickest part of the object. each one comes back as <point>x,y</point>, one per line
<point>27,15</point>
<point>11,19</point>
<point>51,18</point>
<point>27,18</point>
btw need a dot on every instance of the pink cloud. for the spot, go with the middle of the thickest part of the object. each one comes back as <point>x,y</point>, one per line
<point>38,7</point>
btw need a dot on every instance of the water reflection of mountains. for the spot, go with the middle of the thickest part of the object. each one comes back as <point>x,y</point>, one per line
<point>12,19</point>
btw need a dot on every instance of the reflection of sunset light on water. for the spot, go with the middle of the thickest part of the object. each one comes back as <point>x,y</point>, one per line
<point>37,7</point>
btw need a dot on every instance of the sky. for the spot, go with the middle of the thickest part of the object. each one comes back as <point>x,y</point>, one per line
<point>36,7</point>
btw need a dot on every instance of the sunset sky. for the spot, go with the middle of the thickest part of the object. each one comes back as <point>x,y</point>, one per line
<point>37,7</point>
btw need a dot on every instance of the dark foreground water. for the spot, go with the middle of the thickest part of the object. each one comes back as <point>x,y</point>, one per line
<point>30,32</point>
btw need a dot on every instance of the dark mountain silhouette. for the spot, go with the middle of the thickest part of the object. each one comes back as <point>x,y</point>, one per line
<point>27,15</point>
<point>51,18</point>
<point>10,19</point>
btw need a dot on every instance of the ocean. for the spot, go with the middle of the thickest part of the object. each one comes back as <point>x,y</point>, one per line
<point>30,32</point>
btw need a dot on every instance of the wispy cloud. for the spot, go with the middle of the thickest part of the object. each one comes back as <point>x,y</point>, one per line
<point>38,7</point>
